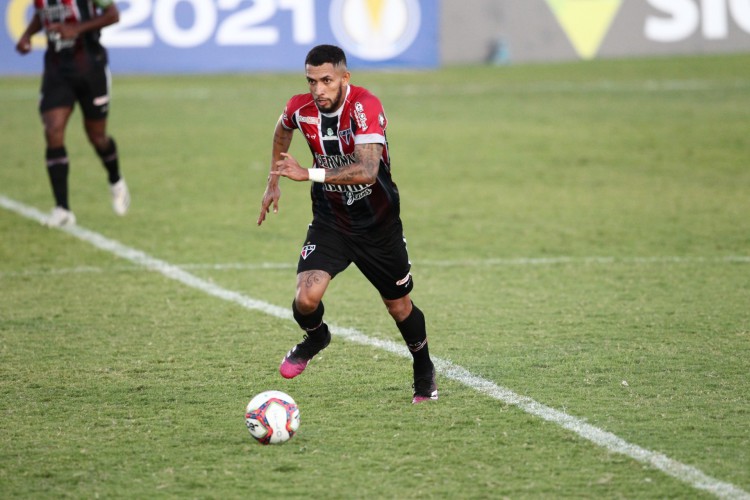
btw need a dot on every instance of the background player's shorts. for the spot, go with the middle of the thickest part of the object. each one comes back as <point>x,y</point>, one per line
<point>64,88</point>
<point>380,255</point>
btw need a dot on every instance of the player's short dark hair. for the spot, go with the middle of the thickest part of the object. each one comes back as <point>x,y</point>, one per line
<point>323,54</point>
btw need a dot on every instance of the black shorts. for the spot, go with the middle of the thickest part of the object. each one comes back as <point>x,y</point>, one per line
<point>380,255</point>
<point>63,88</point>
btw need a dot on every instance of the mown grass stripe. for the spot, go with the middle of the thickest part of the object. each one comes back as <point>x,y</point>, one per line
<point>492,262</point>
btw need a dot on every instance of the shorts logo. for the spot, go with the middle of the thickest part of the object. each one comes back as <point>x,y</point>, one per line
<point>307,250</point>
<point>404,281</point>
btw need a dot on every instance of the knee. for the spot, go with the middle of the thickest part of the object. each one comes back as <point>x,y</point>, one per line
<point>100,142</point>
<point>54,133</point>
<point>399,309</point>
<point>306,303</point>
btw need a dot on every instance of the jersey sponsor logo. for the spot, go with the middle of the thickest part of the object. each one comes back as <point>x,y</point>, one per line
<point>351,197</point>
<point>312,120</point>
<point>56,13</point>
<point>360,116</point>
<point>330,135</point>
<point>375,30</point>
<point>306,251</point>
<point>333,161</point>
<point>343,188</point>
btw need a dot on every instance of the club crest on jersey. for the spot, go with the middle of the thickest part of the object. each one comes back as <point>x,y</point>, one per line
<point>346,135</point>
<point>307,250</point>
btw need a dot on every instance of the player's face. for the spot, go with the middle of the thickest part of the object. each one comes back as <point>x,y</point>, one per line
<point>327,85</point>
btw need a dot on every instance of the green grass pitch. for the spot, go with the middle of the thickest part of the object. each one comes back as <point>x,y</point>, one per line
<point>580,235</point>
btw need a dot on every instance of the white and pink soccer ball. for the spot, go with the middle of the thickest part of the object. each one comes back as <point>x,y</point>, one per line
<point>272,417</point>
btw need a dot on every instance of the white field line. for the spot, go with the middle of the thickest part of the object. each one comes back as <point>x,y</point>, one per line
<point>686,473</point>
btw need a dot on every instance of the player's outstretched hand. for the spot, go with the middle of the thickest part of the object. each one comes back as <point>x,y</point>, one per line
<point>270,198</point>
<point>290,168</point>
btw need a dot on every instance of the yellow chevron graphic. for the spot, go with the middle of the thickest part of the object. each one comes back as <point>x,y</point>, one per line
<point>586,22</point>
<point>375,9</point>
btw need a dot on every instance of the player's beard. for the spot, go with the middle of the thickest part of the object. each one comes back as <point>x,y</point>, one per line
<point>335,103</point>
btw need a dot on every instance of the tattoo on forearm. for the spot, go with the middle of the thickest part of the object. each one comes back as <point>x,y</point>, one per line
<point>363,171</point>
<point>280,139</point>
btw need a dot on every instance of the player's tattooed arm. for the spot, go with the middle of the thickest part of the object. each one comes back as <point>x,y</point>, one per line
<point>282,140</point>
<point>364,170</point>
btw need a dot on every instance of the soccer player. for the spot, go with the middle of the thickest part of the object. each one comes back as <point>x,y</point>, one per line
<point>75,69</point>
<point>355,209</point>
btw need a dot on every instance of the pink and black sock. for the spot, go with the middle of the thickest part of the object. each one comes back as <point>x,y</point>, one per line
<point>57,170</point>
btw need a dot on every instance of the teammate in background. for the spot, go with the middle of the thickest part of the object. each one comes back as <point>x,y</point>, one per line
<point>355,209</point>
<point>75,69</point>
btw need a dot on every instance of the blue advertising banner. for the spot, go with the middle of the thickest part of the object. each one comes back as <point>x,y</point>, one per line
<point>204,36</point>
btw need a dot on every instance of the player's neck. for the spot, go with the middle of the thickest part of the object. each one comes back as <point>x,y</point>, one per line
<point>336,113</point>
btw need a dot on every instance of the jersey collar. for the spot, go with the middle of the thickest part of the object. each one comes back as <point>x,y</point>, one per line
<point>338,111</point>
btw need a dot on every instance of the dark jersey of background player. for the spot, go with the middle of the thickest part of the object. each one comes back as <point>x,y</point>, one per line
<point>75,70</point>
<point>79,54</point>
<point>358,208</point>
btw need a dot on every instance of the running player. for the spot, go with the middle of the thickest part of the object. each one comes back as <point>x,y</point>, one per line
<point>355,210</point>
<point>75,69</point>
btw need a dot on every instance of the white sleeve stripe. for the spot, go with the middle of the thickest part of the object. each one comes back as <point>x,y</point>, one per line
<point>369,139</point>
<point>281,120</point>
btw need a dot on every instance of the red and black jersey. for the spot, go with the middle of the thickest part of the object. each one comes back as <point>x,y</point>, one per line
<point>85,50</point>
<point>352,209</point>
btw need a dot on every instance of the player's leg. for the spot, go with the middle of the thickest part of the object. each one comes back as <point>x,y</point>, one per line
<point>93,95</point>
<point>104,145</point>
<point>106,149</point>
<point>320,260</point>
<point>308,310</point>
<point>55,121</point>
<point>384,260</point>
<point>411,323</point>
<point>55,108</point>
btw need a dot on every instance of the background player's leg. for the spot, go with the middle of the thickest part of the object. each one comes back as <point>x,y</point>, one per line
<point>55,121</point>
<point>106,148</point>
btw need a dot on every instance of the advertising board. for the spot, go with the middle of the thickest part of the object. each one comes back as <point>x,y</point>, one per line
<point>200,36</point>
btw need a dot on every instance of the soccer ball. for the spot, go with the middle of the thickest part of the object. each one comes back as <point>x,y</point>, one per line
<point>272,417</point>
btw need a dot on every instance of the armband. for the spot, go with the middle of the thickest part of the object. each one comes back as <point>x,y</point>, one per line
<point>316,174</point>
